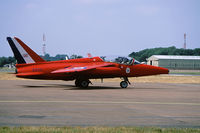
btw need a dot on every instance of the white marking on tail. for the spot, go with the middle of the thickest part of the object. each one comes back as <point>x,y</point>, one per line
<point>23,52</point>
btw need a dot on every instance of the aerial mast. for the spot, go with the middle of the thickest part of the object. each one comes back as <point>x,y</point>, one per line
<point>184,45</point>
<point>44,45</point>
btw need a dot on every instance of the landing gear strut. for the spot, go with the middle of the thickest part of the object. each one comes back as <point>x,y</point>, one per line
<point>83,83</point>
<point>124,84</point>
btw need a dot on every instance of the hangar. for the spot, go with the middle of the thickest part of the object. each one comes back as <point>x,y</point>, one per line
<point>175,62</point>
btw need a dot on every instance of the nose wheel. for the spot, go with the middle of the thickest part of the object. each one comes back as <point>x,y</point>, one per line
<point>124,84</point>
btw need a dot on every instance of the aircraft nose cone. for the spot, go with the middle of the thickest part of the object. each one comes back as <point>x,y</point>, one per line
<point>146,70</point>
<point>163,70</point>
<point>158,70</point>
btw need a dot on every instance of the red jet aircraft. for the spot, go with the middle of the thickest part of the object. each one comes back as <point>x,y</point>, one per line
<point>31,65</point>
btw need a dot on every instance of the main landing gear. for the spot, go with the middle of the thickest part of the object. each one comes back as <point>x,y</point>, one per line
<point>124,84</point>
<point>83,83</point>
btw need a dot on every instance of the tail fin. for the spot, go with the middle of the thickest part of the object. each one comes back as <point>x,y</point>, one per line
<point>22,52</point>
<point>89,55</point>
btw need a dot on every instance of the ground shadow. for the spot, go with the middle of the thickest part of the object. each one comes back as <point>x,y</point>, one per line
<point>97,88</point>
<point>47,86</point>
<point>93,87</point>
<point>73,87</point>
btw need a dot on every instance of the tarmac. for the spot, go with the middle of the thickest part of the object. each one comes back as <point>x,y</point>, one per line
<point>60,103</point>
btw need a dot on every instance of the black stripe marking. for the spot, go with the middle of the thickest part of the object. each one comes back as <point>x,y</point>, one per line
<point>18,56</point>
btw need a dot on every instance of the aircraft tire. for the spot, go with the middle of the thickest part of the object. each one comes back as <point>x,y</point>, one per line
<point>124,84</point>
<point>84,83</point>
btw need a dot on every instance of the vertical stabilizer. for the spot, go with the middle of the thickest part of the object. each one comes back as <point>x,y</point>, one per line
<point>22,52</point>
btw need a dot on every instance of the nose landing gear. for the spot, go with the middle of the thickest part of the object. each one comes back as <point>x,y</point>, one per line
<point>124,84</point>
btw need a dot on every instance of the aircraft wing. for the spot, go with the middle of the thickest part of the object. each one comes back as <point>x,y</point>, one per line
<point>80,68</point>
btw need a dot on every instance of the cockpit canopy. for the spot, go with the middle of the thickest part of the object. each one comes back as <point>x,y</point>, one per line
<point>120,60</point>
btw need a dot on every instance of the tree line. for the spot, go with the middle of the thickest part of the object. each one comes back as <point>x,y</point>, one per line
<point>140,56</point>
<point>6,60</point>
<point>146,53</point>
<point>47,57</point>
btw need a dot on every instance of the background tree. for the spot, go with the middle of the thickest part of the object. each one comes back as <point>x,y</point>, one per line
<point>144,54</point>
<point>7,60</point>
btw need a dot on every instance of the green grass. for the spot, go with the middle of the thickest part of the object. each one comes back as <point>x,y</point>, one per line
<point>96,130</point>
<point>186,73</point>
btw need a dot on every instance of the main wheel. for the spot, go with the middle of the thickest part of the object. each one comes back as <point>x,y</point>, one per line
<point>124,84</point>
<point>84,83</point>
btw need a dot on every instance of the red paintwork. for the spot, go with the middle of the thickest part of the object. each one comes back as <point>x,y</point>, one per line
<point>96,68</point>
<point>85,68</point>
<point>35,57</point>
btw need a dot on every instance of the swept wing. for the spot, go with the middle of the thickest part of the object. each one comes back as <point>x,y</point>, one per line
<point>80,68</point>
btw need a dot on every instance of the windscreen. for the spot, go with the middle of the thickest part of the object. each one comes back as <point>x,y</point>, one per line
<point>119,59</point>
<point>136,62</point>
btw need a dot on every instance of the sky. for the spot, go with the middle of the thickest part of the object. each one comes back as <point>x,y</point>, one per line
<point>99,27</point>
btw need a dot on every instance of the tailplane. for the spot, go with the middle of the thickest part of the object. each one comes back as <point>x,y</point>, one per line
<point>22,52</point>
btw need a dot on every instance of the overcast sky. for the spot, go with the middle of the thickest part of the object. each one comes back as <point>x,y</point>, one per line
<point>99,27</point>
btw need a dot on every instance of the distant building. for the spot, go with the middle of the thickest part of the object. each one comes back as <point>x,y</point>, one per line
<point>175,62</point>
<point>12,65</point>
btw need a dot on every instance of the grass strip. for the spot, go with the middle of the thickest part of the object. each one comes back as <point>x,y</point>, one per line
<point>186,73</point>
<point>97,130</point>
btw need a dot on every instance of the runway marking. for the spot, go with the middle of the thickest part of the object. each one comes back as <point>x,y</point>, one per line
<point>104,102</point>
